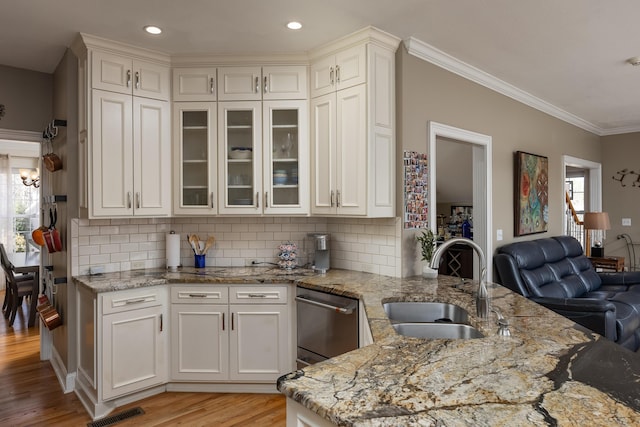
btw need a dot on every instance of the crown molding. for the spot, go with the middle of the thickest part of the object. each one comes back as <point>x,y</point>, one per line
<point>437,57</point>
<point>20,135</point>
<point>620,130</point>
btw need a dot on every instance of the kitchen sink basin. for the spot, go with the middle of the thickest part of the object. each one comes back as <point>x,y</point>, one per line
<point>437,330</point>
<point>433,312</point>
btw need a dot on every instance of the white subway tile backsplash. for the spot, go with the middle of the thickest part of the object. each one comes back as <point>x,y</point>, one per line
<point>371,245</point>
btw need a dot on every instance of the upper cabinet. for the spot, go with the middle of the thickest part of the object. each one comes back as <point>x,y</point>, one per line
<point>127,75</point>
<point>353,126</point>
<point>194,84</point>
<point>262,83</point>
<point>340,71</point>
<point>124,130</point>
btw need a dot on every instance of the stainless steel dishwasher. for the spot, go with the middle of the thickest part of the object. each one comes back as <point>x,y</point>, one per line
<point>327,325</point>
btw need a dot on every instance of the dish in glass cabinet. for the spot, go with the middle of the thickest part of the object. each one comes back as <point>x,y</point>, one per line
<point>240,152</point>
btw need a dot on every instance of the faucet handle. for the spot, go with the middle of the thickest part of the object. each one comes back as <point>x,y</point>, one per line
<point>503,324</point>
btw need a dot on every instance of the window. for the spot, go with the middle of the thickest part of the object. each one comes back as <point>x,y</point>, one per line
<point>24,213</point>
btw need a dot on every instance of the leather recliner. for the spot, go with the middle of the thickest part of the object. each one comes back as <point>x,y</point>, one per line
<point>555,273</point>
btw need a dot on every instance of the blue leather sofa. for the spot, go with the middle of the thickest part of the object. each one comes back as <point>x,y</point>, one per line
<point>555,272</point>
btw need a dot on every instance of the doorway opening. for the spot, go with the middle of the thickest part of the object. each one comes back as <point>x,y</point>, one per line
<point>481,178</point>
<point>583,187</point>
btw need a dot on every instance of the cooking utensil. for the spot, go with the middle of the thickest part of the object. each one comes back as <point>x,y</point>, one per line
<point>210,241</point>
<point>52,236</point>
<point>195,243</point>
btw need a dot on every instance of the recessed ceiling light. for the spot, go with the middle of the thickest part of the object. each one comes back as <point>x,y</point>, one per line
<point>294,25</point>
<point>152,29</point>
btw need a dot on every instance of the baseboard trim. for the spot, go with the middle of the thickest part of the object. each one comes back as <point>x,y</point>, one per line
<point>67,380</point>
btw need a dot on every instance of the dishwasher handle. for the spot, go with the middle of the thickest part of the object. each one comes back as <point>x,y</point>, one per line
<point>341,310</point>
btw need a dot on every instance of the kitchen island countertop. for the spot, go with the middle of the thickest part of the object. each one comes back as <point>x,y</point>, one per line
<point>549,372</point>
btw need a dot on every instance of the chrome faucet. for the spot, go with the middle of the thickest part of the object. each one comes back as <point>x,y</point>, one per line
<point>482,297</point>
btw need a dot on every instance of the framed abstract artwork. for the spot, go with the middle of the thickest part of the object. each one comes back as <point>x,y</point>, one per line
<point>532,194</point>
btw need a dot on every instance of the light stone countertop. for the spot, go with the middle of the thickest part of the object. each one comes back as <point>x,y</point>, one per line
<point>549,372</point>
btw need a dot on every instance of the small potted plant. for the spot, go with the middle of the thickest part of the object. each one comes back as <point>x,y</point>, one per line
<point>427,242</point>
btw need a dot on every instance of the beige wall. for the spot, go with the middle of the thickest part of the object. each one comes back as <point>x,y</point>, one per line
<point>427,92</point>
<point>27,97</point>
<point>621,152</point>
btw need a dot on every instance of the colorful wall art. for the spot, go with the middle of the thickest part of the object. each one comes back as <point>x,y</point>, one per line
<point>532,194</point>
<point>415,190</point>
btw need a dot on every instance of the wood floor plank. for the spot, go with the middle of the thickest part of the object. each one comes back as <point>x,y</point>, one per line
<point>30,394</point>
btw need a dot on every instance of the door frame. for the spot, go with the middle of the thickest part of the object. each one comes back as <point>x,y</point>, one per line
<point>482,184</point>
<point>595,185</point>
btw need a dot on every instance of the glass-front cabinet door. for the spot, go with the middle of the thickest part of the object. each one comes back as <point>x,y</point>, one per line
<point>240,154</point>
<point>285,176</point>
<point>195,158</point>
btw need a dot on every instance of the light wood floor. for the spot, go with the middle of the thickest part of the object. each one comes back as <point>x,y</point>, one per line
<point>30,394</point>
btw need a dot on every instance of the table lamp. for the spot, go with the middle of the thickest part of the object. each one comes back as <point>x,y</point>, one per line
<point>595,221</point>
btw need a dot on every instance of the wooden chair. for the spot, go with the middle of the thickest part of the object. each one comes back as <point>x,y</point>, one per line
<point>17,288</point>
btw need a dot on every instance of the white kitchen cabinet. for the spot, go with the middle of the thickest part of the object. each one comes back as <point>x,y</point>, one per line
<point>124,130</point>
<point>194,84</point>
<point>240,156</point>
<point>246,338</point>
<point>339,71</point>
<point>300,416</point>
<point>353,131</point>
<point>264,157</point>
<point>339,153</point>
<point>122,348</point>
<point>268,83</point>
<point>195,158</point>
<point>129,156</point>
<point>199,333</point>
<point>123,74</point>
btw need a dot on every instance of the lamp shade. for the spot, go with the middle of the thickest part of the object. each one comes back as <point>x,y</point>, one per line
<point>596,221</point>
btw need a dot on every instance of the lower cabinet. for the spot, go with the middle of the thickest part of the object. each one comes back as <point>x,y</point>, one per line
<point>123,340</point>
<point>230,333</point>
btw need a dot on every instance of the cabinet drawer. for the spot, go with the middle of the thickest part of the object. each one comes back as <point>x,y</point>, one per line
<point>258,295</point>
<point>115,302</point>
<point>200,294</point>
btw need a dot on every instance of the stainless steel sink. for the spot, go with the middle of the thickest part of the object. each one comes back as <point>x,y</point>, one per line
<point>434,312</point>
<point>437,330</point>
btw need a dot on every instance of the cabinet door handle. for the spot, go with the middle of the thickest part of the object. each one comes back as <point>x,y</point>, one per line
<point>128,78</point>
<point>266,199</point>
<point>331,76</point>
<point>338,74</point>
<point>213,200</point>
<point>257,84</point>
<point>338,198</point>
<point>135,301</point>
<point>161,323</point>
<point>137,80</point>
<point>332,198</point>
<point>223,321</point>
<point>256,295</point>
<point>265,88</point>
<point>128,199</point>
<point>257,199</point>
<point>137,200</point>
<point>212,88</point>
<point>232,321</point>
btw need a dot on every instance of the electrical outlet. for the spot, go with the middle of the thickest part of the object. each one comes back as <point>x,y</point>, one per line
<point>250,262</point>
<point>137,265</point>
<point>626,222</point>
<point>499,234</point>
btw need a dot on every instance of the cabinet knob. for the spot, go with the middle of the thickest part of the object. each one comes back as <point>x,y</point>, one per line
<point>137,80</point>
<point>128,78</point>
<point>257,84</point>
<point>212,88</point>
<point>331,76</point>
<point>337,74</point>
<point>264,85</point>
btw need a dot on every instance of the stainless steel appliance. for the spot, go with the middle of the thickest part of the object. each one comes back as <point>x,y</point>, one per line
<point>321,255</point>
<point>327,325</point>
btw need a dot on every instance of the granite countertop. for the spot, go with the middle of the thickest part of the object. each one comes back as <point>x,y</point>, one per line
<point>549,372</point>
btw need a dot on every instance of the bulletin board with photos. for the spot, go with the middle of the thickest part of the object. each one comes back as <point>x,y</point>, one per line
<point>415,190</point>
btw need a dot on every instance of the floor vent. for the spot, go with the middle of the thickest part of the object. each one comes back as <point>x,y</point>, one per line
<point>113,419</point>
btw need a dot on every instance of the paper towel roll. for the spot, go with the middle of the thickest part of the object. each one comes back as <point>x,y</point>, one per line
<point>173,251</point>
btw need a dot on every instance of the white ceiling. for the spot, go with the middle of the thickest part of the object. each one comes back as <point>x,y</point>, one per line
<point>568,53</point>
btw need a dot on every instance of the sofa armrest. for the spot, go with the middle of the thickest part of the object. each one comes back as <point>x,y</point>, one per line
<point>625,278</point>
<point>595,314</point>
